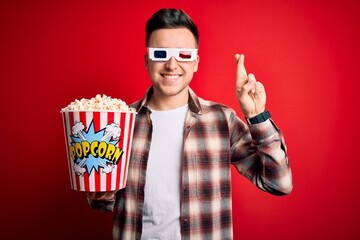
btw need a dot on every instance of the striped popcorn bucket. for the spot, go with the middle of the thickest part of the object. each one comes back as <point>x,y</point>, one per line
<point>98,145</point>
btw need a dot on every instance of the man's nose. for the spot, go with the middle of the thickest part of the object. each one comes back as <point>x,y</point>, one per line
<point>172,63</point>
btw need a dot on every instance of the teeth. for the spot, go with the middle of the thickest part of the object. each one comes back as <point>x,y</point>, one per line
<point>171,76</point>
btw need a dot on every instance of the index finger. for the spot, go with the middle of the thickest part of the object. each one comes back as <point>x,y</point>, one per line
<point>241,75</point>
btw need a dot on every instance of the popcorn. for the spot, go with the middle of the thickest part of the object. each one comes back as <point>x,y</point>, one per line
<point>98,135</point>
<point>99,103</point>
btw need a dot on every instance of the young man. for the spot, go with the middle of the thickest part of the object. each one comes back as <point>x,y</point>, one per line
<point>179,184</point>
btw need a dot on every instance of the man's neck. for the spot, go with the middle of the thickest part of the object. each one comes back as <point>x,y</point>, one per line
<point>163,103</point>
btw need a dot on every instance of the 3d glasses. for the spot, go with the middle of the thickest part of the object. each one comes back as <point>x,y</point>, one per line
<point>180,54</point>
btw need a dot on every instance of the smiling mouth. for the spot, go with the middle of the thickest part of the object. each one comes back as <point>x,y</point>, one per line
<point>171,77</point>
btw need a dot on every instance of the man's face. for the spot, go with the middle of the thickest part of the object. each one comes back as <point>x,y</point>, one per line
<point>171,77</point>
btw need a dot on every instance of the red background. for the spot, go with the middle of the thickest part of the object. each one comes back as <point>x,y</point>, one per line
<point>305,53</point>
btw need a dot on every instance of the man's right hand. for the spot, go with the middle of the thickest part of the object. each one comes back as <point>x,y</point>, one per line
<point>102,196</point>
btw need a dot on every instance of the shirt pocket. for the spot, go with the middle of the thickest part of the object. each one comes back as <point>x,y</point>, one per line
<point>212,176</point>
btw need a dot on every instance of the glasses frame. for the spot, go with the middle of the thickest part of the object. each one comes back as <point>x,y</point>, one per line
<point>172,52</point>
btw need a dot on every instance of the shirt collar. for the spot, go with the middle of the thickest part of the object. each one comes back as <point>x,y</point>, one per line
<point>194,103</point>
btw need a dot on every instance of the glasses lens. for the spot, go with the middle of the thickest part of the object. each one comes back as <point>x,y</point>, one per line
<point>160,54</point>
<point>185,54</point>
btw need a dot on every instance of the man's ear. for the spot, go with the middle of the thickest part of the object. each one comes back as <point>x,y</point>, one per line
<point>196,65</point>
<point>146,60</point>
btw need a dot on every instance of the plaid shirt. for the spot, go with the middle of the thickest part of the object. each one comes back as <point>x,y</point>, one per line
<point>214,138</point>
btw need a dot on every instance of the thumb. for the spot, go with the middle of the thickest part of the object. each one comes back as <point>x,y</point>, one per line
<point>250,85</point>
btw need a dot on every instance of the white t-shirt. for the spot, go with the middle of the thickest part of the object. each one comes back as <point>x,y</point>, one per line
<point>161,216</point>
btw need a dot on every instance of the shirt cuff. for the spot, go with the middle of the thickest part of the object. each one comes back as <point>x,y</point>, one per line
<point>263,130</point>
<point>101,205</point>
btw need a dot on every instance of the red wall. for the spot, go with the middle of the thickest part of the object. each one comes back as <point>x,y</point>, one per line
<point>305,53</point>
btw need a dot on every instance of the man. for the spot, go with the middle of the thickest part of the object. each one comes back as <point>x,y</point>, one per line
<point>179,184</point>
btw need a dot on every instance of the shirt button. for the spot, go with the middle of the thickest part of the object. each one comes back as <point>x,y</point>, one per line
<point>185,221</point>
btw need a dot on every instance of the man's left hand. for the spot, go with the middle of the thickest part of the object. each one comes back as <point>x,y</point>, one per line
<point>249,92</point>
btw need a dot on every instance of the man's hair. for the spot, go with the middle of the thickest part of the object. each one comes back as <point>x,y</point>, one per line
<point>171,18</point>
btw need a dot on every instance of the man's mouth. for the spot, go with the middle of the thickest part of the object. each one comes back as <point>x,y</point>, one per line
<point>171,76</point>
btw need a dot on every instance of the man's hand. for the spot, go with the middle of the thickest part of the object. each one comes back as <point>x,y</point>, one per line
<point>102,196</point>
<point>250,93</point>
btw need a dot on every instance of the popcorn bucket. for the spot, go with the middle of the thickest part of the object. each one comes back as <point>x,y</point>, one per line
<point>98,145</point>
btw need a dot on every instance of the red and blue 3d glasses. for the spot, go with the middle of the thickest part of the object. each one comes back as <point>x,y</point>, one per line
<point>180,54</point>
